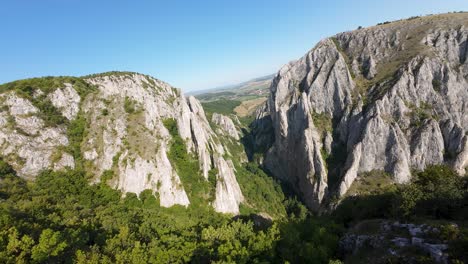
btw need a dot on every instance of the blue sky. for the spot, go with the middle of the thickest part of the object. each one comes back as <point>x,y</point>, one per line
<point>192,44</point>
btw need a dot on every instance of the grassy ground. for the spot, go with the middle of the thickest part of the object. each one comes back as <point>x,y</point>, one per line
<point>368,182</point>
<point>223,106</point>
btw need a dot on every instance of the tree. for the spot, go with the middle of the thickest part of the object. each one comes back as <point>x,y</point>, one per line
<point>51,244</point>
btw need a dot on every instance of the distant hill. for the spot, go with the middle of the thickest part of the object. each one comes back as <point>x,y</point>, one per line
<point>248,90</point>
<point>241,99</point>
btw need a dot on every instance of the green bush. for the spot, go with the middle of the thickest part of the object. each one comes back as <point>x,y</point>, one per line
<point>458,246</point>
<point>129,105</point>
<point>107,175</point>
<point>5,169</point>
<point>49,113</point>
<point>357,208</point>
<point>62,218</point>
<point>436,84</point>
<point>437,192</point>
<point>76,132</point>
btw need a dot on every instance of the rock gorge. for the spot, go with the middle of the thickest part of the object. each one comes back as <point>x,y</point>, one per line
<point>391,98</point>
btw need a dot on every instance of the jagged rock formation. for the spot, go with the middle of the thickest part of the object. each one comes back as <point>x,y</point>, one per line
<point>391,97</point>
<point>25,139</point>
<point>126,142</point>
<point>226,124</point>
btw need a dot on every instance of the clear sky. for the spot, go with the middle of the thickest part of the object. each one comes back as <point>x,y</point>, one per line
<point>192,44</point>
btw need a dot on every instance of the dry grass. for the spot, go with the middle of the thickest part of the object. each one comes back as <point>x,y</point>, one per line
<point>371,182</point>
<point>248,107</point>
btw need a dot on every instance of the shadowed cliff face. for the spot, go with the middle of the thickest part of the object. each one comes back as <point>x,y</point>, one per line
<point>116,131</point>
<point>392,98</point>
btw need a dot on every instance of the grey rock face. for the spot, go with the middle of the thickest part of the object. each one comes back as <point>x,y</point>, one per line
<point>390,98</point>
<point>400,236</point>
<point>25,142</point>
<point>226,124</point>
<point>67,100</point>
<point>228,193</point>
<point>125,137</point>
<point>134,166</point>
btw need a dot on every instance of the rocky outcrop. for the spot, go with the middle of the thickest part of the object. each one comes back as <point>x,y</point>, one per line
<point>142,165</point>
<point>26,142</point>
<point>390,98</point>
<point>394,239</point>
<point>126,141</point>
<point>226,125</point>
<point>67,100</point>
<point>228,193</point>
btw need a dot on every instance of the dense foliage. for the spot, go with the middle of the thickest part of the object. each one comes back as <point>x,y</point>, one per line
<point>262,192</point>
<point>61,218</point>
<point>222,106</point>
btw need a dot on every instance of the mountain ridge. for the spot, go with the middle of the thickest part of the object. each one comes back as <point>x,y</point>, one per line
<point>127,141</point>
<point>369,99</point>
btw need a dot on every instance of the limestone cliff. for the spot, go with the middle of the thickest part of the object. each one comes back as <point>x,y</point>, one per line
<point>226,125</point>
<point>123,139</point>
<point>392,97</point>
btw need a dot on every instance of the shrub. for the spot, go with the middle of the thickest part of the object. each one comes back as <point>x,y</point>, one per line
<point>319,241</point>
<point>49,113</point>
<point>436,192</point>
<point>129,105</point>
<point>107,175</point>
<point>76,132</point>
<point>6,169</point>
<point>436,84</point>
